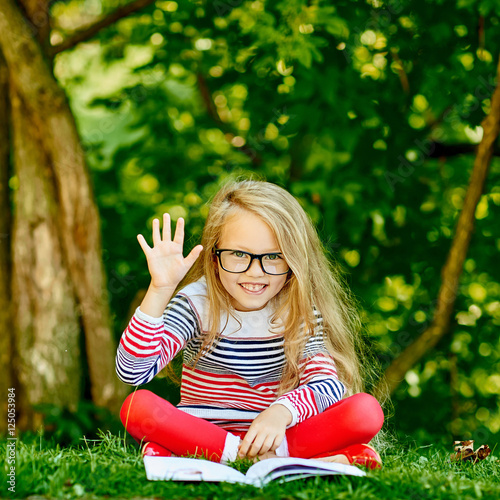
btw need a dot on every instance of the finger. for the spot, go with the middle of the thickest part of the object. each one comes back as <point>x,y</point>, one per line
<point>179,231</point>
<point>167,232</point>
<point>193,255</point>
<point>275,445</point>
<point>245,444</point>
<point>243,449</point>
<point>269,443</point>
<point>156,232</point>
<point>255,448</point>
<point>277,441</point>
<point>142,241</point>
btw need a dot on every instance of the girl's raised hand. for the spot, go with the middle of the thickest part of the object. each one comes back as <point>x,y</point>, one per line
<point>166,263</point>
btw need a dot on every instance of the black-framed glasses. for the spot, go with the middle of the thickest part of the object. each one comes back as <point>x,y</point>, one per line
<point>238,261</point>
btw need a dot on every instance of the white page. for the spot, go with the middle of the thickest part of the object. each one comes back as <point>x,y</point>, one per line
<point>189,469</point>
<point>290,468</point>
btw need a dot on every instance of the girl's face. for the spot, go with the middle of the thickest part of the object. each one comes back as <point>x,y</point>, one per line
<point>253,289</point>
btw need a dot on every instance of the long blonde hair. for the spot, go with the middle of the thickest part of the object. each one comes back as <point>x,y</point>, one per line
<point>314,282</point>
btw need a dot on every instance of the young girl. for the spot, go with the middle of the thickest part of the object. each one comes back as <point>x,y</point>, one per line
<point>269,338</point>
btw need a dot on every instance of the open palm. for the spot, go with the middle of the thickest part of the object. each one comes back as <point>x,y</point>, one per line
<point>166,263</point>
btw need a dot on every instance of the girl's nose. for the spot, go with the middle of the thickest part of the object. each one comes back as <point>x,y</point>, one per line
<point>255,269</point>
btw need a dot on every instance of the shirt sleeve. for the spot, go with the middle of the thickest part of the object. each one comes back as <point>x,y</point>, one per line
<point>148,344</point>
<point>319,386</point>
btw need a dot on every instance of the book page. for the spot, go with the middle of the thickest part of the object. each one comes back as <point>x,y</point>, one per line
<point>294,468</point>
<point>190,469</point>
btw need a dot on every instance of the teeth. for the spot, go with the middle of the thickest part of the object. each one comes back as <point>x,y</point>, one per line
<point>252,288</point>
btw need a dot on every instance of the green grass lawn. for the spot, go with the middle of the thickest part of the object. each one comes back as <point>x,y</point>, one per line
<point>108,469</point>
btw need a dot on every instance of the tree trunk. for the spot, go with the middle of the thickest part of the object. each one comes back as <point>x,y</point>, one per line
<point>5,224</point>
<point>45,312</point>
<point>450,274</point>
<point>59,171</point>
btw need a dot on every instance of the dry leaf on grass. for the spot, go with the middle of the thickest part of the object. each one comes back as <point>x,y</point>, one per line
<point>464,450</point>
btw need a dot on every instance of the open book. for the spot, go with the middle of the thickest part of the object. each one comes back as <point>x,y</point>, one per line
<point>259,474</point>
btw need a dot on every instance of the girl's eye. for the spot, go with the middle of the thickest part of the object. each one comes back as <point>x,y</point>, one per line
<point>273,256</point>
<point>238,254</point>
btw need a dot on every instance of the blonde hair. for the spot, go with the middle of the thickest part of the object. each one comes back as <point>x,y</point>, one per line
<point>315,281</point>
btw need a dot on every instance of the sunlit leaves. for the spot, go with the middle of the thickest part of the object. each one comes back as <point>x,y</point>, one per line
<point>340,103</point>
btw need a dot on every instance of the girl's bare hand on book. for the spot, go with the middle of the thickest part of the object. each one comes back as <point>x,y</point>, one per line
<point>266,432</point>
<point>166,263</point>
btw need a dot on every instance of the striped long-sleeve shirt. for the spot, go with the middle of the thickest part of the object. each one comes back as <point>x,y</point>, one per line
<point>240,376</point>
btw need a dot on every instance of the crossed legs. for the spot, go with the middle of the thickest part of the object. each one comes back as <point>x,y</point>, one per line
<point>147,417</point>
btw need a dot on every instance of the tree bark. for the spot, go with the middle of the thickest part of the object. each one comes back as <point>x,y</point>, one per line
<point>36,13</point>
<point>77,218</point>
<point>5,225</point>
<point>452,269</point>
<point>47,343</point>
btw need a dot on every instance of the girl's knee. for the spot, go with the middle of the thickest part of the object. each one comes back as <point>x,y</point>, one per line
<point>134,401</point>
<point>365,400</point>
<point>367,412</point>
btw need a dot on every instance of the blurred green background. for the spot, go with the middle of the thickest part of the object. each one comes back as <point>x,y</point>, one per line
<point>367,111</point>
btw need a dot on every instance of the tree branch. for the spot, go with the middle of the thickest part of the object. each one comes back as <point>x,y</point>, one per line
<point>88,32</point>
<point>440,150</point>
<point>228,132</point>
<point>452,269</point>
<point>403,77</point>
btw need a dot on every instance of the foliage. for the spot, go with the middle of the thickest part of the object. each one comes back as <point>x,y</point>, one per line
<point>67,426</point>
<point>107,468</point>
<point>345,105</point>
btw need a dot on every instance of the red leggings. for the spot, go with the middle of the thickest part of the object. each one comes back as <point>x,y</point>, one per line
<point>149,418</point>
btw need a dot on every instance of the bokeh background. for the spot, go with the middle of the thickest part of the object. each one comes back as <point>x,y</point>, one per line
<point>369,112</point>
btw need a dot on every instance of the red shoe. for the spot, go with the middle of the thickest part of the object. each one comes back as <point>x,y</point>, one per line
<point>155,450</point>
<point>358,454</point>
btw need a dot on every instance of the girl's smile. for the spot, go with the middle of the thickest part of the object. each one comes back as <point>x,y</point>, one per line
<point>252,289</point>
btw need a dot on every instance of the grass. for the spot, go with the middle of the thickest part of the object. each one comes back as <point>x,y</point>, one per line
<point>107,468</point>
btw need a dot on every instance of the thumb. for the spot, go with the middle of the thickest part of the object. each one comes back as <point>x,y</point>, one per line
<point>193,255</point>
<point>142,241</point>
